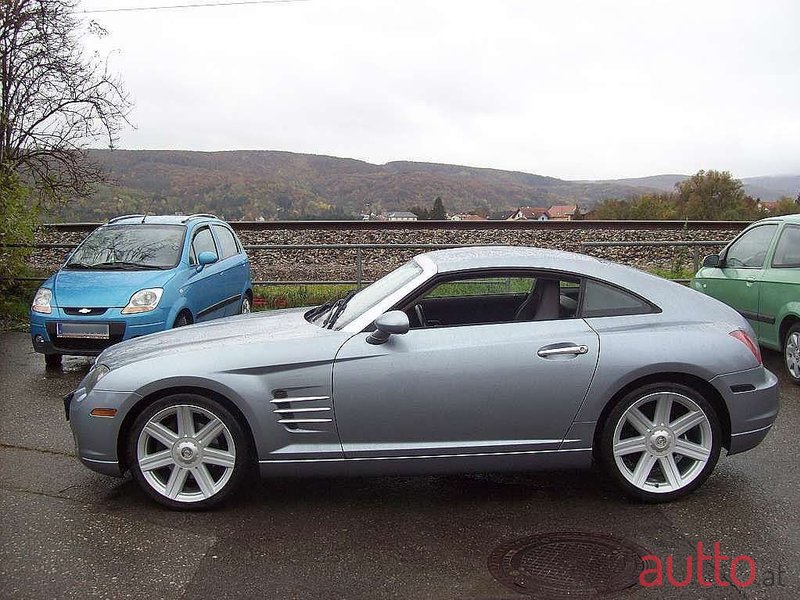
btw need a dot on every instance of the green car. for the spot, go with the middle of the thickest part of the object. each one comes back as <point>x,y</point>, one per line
<point>758,274</point>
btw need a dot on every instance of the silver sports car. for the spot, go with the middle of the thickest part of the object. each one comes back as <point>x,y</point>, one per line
<point>466,360</point>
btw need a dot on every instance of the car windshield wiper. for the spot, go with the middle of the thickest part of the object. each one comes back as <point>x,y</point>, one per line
<point>123,265</point>
<point>78,265</point>
<point>337,309</point>
<point>318,310</point>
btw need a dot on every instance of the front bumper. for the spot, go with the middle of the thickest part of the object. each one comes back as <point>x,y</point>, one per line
<point>752,400</point>
<point>121,328</point>
<point>96,437</point>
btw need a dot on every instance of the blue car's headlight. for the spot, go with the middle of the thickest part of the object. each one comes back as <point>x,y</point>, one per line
<point>95,375</point>
<point>143,301</point>
<point>41,301</point>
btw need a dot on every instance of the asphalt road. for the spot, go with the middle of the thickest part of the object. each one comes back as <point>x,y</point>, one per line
<point>66,532</point>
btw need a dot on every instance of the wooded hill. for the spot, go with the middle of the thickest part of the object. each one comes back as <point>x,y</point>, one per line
<point>283,185</point>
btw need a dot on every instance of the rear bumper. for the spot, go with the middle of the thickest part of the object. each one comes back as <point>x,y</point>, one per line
<point>752,400</point>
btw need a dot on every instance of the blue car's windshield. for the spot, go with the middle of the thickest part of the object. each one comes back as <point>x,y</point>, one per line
<point>134,247</point>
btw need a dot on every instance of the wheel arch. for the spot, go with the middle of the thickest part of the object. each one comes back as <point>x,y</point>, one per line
<point>786,324</point>
<point>701,386</point>
<point>214,396</point>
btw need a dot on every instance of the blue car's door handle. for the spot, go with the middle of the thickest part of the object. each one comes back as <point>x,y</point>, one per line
<point>560,350</point>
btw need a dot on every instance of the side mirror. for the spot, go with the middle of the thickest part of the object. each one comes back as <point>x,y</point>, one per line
<point>205,258</point>
<point>392,322</point>
<point>712,260</point>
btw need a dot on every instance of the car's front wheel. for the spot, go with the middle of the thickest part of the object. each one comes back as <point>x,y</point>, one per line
<point>246,307</point>
<point>187,452</point>
<point>791,353</point>
<point>661,442</point>
<point>52,360</point>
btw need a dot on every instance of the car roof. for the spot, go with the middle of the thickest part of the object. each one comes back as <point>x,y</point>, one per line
<point>794,219</point>
<point>162,219</point>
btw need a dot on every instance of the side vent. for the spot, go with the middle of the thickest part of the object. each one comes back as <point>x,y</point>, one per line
<point>303,414</point>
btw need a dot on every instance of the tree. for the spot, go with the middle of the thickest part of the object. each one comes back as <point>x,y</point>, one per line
<point>423,214</point>
<point>54,99</point>
<point>712,195</point>
<point>785,206</point>
<point>438,213</point>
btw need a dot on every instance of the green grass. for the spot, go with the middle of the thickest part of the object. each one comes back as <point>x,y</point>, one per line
<point>293,296</point>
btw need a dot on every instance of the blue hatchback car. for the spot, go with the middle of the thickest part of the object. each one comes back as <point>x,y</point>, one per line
<point>137,275</point>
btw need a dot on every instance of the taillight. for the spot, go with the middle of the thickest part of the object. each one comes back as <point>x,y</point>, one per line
<point>748,341</point>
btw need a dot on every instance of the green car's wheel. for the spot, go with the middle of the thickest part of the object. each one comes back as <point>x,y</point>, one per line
<point>791,353</point>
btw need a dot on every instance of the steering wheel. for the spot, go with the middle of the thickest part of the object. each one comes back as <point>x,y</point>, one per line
<point>423,322</point>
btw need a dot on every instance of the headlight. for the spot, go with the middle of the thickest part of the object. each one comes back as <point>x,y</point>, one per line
<point>143,301</point>
<point>41,301</point>
<point>95,375</point>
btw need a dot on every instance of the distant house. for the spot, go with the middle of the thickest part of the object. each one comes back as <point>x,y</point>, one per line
<point>529,213</point>
<point>563,212</point>
<point>464,217</point>
<point>401,216</point>
<point>767,206</point>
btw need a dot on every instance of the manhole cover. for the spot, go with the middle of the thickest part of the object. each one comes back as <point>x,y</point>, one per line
<point>567,565</point>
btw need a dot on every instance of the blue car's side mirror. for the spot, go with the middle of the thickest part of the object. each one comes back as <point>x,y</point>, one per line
<point>206,258</point>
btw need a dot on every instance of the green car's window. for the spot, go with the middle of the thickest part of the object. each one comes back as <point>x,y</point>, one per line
<point>750,250</point>
<point>787,252</point>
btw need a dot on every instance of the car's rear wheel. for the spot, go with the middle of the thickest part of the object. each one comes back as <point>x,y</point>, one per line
<point>791,353</point>
<point>661,442</point>
<point>246,306</point>
<point>52,360</point>
<point>187,452</point>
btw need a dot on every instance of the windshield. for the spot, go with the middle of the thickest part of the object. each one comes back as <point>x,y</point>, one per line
<point>371,295</point>
<point>134,247</point>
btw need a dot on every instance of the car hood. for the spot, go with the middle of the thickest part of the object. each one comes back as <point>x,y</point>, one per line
<point>104,288</point>
<point>251,330</point>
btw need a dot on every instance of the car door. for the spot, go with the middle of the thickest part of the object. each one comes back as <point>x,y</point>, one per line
<point>233,268</point>
<point>736,281</point>
<point>452,389</point>
<point>780,286</point>
<point>203,289</point>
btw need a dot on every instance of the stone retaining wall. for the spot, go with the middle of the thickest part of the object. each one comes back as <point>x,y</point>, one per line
<point>320,264</point>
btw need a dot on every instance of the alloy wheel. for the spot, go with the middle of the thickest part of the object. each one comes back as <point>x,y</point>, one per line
<point>186,453</point>
<point>791,354</point>
<point>662,442</point>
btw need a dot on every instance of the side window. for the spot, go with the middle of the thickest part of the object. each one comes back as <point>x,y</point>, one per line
<point>495,298</point>
<point>750,249</point>
<point>226,241</point>
<point>202,242</point>
<point>787,252</point>
<point>601,300</point>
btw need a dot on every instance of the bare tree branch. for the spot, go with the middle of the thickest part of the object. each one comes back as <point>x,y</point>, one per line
<point>54,100</point>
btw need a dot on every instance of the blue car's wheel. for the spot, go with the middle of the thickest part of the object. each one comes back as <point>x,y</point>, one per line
<point>187,452</point>
<point>245,308</point>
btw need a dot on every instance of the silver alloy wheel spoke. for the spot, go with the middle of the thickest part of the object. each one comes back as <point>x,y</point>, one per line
<point>212,456</point>
<point>204,480</point>
<point>189,451</point>
<point>791,355</point>
<point>640,423</point>
<point>185,421</point>
<point>209,432</point>
<point>177,479</point>
<point>681,447</point>
<point>161,433</point>
<point>629,446</point>
<point>157,460</point>
<point>691,450</point>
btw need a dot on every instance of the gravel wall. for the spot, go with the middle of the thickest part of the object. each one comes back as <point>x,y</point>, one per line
<point>324,264</point>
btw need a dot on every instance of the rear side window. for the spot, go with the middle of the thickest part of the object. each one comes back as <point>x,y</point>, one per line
<point>601,300</point>
<point>750,250</point>
<point>202,242</point>
<point>226,241</point>
<point>787,252</point>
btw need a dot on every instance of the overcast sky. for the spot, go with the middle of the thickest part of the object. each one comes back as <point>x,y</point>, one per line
<point>573,89</point>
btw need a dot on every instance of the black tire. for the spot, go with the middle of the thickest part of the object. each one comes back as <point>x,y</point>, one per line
<point>52,360</point>
<point>246,306</point>
<point>182,320</point>
<point>228,482</point>
<point>693,468</point>
<point>791,353</point>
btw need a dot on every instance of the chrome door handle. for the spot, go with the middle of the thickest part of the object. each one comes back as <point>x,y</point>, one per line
<point>545,352</point>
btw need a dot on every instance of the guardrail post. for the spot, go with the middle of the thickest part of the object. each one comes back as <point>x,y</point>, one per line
<point>696,257</point>
<point>359,267</point>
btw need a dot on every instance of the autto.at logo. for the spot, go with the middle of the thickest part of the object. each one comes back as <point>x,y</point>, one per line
<point>706,569</point>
